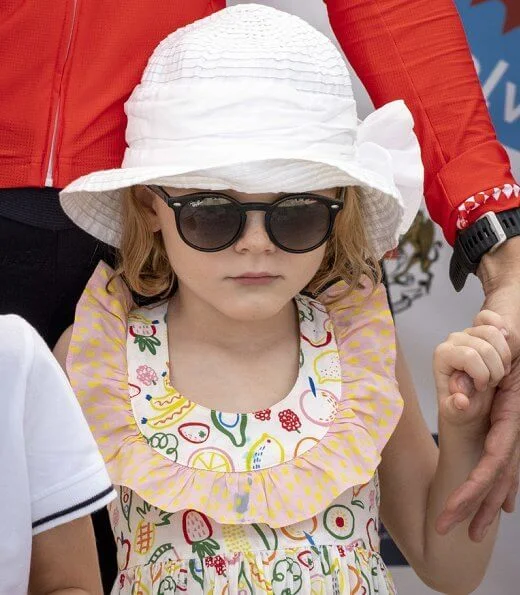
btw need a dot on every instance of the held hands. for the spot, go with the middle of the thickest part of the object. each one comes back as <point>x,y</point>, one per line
<point>493,483</point>
<point>468,367</point>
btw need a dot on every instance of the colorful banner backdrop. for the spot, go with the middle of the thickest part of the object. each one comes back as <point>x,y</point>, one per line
<point>493,31</point>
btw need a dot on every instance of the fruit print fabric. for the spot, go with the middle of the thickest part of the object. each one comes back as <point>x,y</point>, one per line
<point>143,330</point>
<point>343,451</point>
<point>303,525</point>
<point>197,437</point>
<point>333,553</point>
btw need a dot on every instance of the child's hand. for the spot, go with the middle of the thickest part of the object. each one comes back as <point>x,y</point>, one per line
<point>468,366</point>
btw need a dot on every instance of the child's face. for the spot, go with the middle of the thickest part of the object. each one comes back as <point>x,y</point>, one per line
<point>228,279</point>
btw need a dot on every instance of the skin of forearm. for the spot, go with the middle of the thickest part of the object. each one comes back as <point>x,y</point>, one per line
<point>453,563</point>
<point>501,267</point>
<point>499,273</point>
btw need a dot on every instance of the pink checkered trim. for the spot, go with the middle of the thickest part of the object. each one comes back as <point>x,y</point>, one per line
<point>507,191</point>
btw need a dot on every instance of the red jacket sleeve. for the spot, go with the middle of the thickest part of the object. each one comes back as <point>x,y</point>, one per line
<point>416,50</point>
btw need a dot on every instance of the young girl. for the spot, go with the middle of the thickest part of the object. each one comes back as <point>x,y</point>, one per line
<point>243,411</point>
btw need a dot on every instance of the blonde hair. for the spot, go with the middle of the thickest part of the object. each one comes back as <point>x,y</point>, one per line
<point>143,262</point>
<point>142,259</point>
<point>348,256</point>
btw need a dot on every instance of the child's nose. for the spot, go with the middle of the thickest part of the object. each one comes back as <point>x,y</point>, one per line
<point>254,236</point>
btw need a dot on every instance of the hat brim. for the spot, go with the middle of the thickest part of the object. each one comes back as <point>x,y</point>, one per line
<point>93,202</point>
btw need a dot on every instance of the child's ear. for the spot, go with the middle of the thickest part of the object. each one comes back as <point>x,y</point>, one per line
<point>148,202</point>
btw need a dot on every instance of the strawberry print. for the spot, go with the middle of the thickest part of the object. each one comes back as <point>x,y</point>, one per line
<point>305,558</point>
<point>197,531</point>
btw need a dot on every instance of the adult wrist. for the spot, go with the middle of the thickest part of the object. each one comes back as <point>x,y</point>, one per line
<point>501,267</point>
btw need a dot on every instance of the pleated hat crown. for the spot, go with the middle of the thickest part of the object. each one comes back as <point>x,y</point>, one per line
<point>249,73</point>
<point>255,42</point>
<point>256,100</point>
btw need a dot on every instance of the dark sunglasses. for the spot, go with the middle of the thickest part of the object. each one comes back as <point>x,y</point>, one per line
<point>212,221</point>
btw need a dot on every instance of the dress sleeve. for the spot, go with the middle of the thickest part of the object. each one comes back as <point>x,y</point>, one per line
<point>67,476</point>
<point>416,50</point>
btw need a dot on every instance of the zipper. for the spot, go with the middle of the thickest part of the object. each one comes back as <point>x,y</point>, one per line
<point>52,148</point>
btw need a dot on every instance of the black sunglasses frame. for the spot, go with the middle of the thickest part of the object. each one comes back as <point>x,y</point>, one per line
<point>177,203</point>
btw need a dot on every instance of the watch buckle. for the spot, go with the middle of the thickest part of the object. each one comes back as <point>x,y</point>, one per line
<point>496,228</point>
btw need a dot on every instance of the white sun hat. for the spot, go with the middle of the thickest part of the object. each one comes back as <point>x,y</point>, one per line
<point>256,100</point>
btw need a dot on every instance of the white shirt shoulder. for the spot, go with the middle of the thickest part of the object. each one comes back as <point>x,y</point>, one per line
<point>65,471</point>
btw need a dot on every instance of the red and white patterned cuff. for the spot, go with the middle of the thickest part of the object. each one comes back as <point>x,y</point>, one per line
<point>466,214</point>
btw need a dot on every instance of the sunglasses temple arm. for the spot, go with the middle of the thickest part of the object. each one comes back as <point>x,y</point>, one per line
<point>159,191</point>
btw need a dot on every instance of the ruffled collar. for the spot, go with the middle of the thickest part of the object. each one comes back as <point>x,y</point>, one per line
<point>195,436</point>
<point>345,453</point>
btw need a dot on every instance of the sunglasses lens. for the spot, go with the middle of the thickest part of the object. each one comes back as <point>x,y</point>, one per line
<point>209,222</point>
<point>300,223</point>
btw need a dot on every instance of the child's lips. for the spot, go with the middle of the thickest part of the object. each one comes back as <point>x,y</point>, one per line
<point>262,278</point>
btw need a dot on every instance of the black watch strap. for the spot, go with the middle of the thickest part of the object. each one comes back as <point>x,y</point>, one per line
<point>489,232</point>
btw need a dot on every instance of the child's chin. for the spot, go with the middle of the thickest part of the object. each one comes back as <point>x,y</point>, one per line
<point>255,308</point>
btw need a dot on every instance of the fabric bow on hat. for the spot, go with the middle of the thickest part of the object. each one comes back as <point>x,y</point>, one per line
<point>387,145</point>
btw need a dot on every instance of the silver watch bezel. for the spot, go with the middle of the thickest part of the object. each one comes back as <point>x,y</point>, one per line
<point>497,228</point>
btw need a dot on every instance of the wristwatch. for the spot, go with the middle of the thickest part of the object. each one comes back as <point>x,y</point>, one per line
<point>485,235</point>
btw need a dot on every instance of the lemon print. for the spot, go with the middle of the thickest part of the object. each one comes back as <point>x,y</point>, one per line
<point>265,452</point>
<point>211,459</point>
<point>327,367</point>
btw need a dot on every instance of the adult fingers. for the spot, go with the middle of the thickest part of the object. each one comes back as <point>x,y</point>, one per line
<point>498,455</point>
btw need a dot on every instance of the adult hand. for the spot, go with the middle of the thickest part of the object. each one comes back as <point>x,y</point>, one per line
<point>493,484</point>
